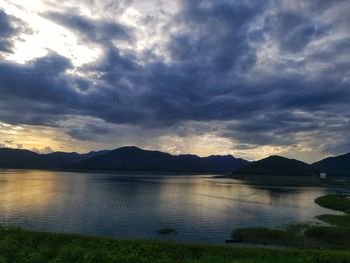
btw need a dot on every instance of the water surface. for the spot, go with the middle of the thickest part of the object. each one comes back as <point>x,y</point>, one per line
<point>201,208</point>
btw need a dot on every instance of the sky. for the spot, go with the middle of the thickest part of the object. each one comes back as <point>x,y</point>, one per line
<point>242,77</point>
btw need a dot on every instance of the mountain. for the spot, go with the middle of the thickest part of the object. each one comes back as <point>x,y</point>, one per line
<point>276,165</point>
<point>16,158</point>
<point>132,158</point>
<point>25,159</point>
<point>126,158</point>
<point>61,159</point>
<point>336,166</point>
<point>224,163</point>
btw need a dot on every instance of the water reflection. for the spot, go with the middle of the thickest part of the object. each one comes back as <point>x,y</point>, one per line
<point>200,208</point>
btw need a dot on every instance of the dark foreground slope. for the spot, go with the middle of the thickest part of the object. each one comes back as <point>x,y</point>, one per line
<point>335,166</point>
<point>136,159</point>
<point>18,245</point>
<point>276,165</point>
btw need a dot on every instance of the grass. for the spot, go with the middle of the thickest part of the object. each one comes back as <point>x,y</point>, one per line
<point>335,236</point>
<point>264,235</point>
<point>24,246</point>
<point>330,234</point>
<point>337,220</point>
<point>165,231</point>
<point>335,202</point>
<point>339,231</point>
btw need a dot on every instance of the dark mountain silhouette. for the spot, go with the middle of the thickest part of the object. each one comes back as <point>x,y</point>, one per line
<point>125,158</point>
<point>15,158</point>
<point>25,159</point>
<point>336,166</point>
<point>276,165</point>
<point>135,159</point>
<point>61,159</point>
<point>132,158</point>
<point>224,163</point>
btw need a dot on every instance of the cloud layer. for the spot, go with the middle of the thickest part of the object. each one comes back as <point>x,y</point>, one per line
<point>258,74</point>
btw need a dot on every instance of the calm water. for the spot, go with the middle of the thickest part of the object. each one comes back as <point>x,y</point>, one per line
<point>200,208</point>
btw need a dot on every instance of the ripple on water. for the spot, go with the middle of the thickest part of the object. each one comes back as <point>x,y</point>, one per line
<point>199,208</point>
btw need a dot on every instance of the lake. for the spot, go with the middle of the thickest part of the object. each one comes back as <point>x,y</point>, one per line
<point>200,207</point>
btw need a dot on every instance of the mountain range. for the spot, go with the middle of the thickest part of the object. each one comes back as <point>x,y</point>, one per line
<point>128,158</point>
<point>131,158</point>
<point>25,159</point>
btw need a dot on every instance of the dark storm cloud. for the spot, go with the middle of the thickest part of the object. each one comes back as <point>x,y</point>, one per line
<point>293,31</point>
<point>213,74</point>
<point>88,131</point>
<point>216,35</point>
<point>41,93</point>
<point>10,29</point>
<point>31,93</point>
<point>272,128</point>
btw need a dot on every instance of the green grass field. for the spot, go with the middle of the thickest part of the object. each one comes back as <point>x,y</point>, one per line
<point>23,246</point>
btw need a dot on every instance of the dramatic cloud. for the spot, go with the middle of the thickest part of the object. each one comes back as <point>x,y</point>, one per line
<point>10,30</point>
<point>265,76</point>
<point>94,30</point>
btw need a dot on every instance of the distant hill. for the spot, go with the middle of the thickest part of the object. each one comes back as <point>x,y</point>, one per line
<point>336,166</point>
<point>224,163</point>
<point>135,159</point>
<point>61,159</point>
<point>126,158</point>
<point>25,159</point>
<point>16,158</point>
<point>276,165</point>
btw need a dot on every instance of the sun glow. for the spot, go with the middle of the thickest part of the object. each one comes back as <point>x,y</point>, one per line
<point>46,36</point>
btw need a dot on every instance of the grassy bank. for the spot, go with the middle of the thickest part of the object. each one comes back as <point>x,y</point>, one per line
<point>19,245</point>
<point>335,202</point>
<point>292,181</point>
<point>335,235</point>
<point>267,236</point>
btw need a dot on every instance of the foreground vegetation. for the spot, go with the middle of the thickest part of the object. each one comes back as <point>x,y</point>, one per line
<point>335,235</point>
<point>19,245</point>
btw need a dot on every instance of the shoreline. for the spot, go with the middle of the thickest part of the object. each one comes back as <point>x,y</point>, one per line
<point>118,171</point>
<point>268,181</point>
<point>291,181</point>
